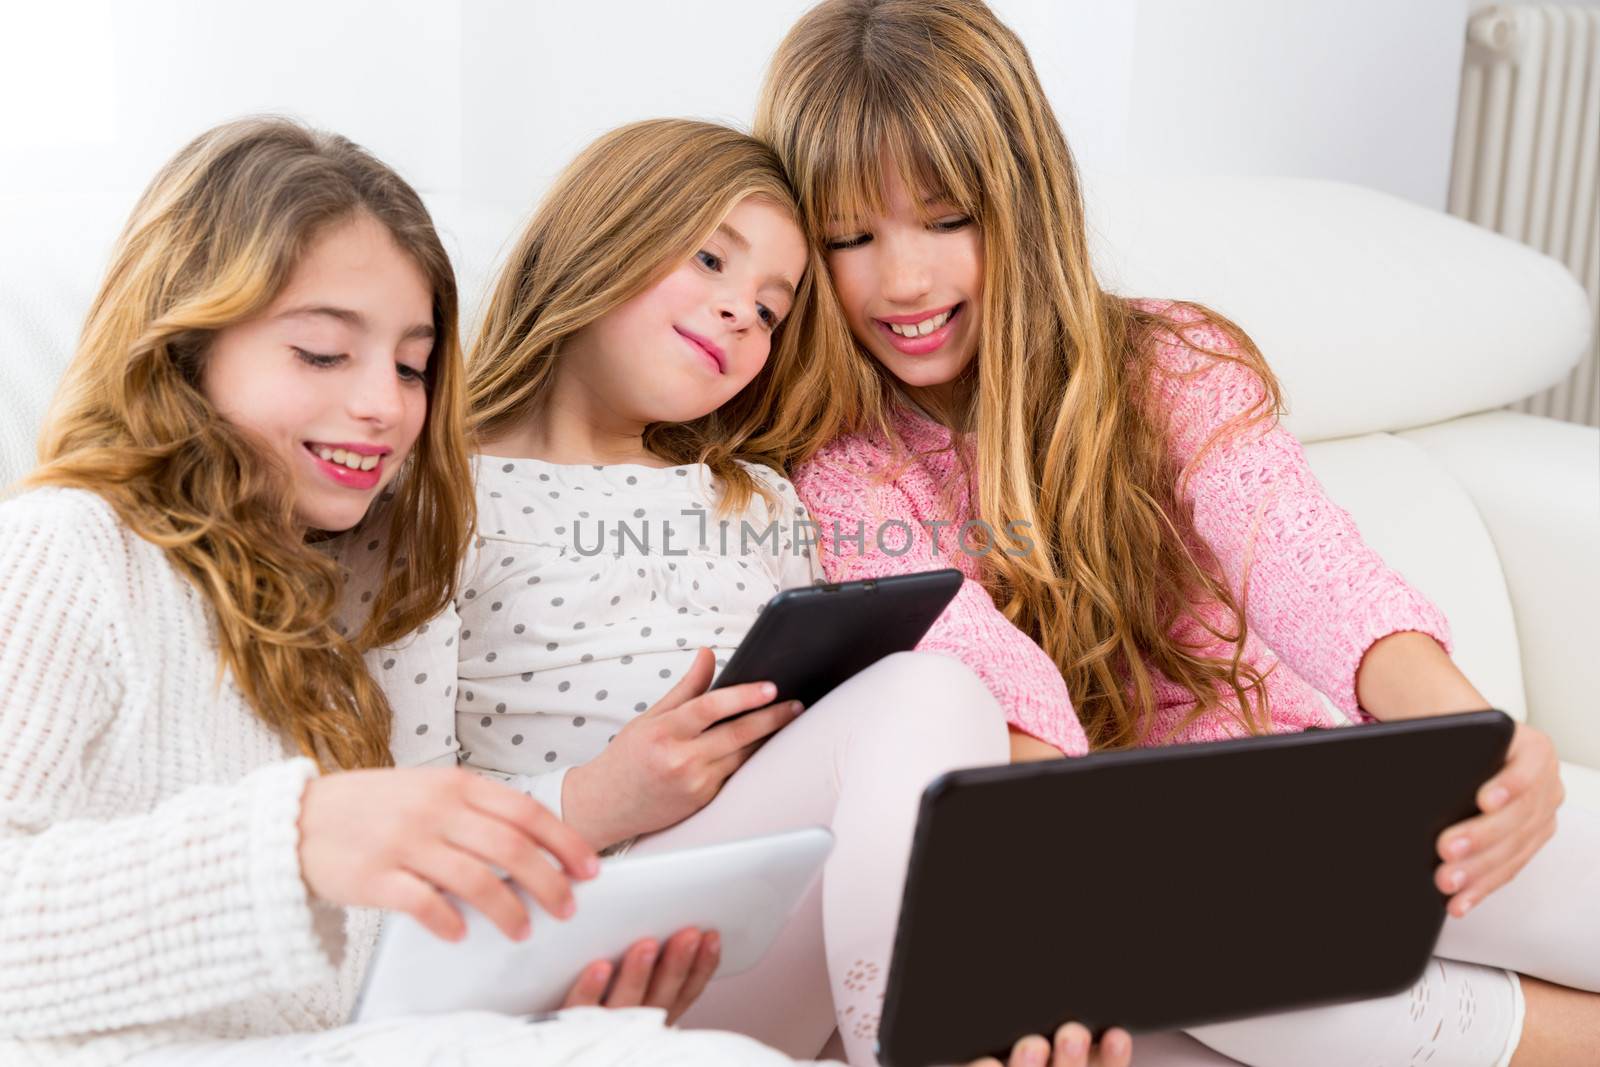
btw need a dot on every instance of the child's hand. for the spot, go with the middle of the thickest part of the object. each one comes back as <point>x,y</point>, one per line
<point>1072,1048</point>
<point>1484,853</point>
<point>401,838</point>
<point>673,982</point>
<point>669,762</point>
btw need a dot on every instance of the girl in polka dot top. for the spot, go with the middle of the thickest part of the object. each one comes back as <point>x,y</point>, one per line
<point>627,539</point>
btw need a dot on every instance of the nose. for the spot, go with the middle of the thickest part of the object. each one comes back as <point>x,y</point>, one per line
<point>736,308</point>
<point>376,397</point>
<point>905,270</point>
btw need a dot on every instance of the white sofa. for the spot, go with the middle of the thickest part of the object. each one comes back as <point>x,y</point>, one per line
<point>1396,331</point>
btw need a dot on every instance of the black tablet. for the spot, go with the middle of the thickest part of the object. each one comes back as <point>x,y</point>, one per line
<point>808,640</point>
<point>1161,888</point>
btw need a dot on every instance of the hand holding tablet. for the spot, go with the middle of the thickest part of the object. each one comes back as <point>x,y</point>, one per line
<point>744,890</point>
<point>1181,885</point>
<point>807,641</point>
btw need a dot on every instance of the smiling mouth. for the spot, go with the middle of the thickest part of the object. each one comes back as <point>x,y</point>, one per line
<point>924,336</point>
<point>922,327</point>
<point>350,460</point>
<point>706,347</point>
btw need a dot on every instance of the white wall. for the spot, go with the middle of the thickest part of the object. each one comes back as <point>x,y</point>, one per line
<point>1362,91</point>
<point>487,98</point>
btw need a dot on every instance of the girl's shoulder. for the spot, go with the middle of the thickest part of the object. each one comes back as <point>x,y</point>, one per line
<point>76,535</point>
<point>1206,379</point>
<point>777,486</point>
<point>1185,339</point>
<point>767,476</point>
<point>68,516</point>
<point>60,504</point>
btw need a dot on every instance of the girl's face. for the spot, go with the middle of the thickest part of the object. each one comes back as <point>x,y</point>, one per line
<point>689,343</point>
<point>911,285</point>
<point>331,377</point>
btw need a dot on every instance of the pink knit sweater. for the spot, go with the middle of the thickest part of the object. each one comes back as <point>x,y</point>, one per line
<point>1318,596</point>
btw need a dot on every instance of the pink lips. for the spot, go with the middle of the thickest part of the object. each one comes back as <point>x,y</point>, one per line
<point>705,345</point>
<point>919,346</point>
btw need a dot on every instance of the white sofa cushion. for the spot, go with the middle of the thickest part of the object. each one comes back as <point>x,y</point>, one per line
<point>1375,313</point>
<point>1536,483</point>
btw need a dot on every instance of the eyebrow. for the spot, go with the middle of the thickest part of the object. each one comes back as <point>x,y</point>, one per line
<point>421,331</point>
<point>743,244</point>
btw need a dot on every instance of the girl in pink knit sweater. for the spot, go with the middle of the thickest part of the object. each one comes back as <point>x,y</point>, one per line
<point>1149,559</point>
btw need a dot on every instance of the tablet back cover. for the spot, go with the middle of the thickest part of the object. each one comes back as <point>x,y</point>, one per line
<point>1160,888</point>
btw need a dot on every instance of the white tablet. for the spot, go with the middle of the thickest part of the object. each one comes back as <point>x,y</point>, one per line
<point>745,890</point>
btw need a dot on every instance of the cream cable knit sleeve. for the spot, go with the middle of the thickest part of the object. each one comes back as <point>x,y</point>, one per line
<point>148,842</point>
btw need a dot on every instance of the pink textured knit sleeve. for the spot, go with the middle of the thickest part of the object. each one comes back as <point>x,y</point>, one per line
<point>837,488</point>
<point>1318,595</point>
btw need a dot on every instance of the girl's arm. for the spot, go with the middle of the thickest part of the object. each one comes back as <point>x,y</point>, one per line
<point>1326,602</point>
<point>1317,594</point>
<point>1408,675</point>
<point>148,917</point>
<point>1023,679</point>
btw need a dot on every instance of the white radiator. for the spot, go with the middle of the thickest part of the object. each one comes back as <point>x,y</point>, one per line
<point>1527,155</point>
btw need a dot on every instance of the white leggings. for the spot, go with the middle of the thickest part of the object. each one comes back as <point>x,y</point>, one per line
<point>1466,1009</point>
<point>856,762</point>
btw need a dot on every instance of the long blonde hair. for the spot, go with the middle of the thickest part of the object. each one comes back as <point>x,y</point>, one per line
<point>1064,433</point>
<point>630,208</point>
<point>211,243</point>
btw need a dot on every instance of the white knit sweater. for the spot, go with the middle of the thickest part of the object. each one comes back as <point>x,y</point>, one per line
<point>149,881</point>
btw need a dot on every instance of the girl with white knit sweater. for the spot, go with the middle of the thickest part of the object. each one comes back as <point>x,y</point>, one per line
<point>628,534</point>
<point>273,346</point>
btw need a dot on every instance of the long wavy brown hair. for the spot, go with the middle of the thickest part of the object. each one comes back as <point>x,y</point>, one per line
<point>629,209</point>
<point>211,243</point>
<point>1059,408</point>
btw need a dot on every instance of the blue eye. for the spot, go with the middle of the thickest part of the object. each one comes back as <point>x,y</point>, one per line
<point>412,374</point>
<point>315,359</point>
<point>709,260</point>
<point>769,318</point>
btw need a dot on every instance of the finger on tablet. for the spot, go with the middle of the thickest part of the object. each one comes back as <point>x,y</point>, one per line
<point>471,881</point>
<point>704,966</point>
<point>1116,1048</point>
<point>534,821</point>
<point>1034,1051</point>
<point>1071,1046</point>
<point>749,729</point>
<point>710,708</point>
<point>400,890</point>
<point>1487,873</point>
<point>590,986</point>
<point>672,970</point>
<point>633,975</point>
<point>499,844</point>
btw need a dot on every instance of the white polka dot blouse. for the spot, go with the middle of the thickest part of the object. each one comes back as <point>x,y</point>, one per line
<point>582,599</point>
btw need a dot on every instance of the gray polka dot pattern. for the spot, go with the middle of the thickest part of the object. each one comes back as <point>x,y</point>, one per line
<point>576,626</point>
